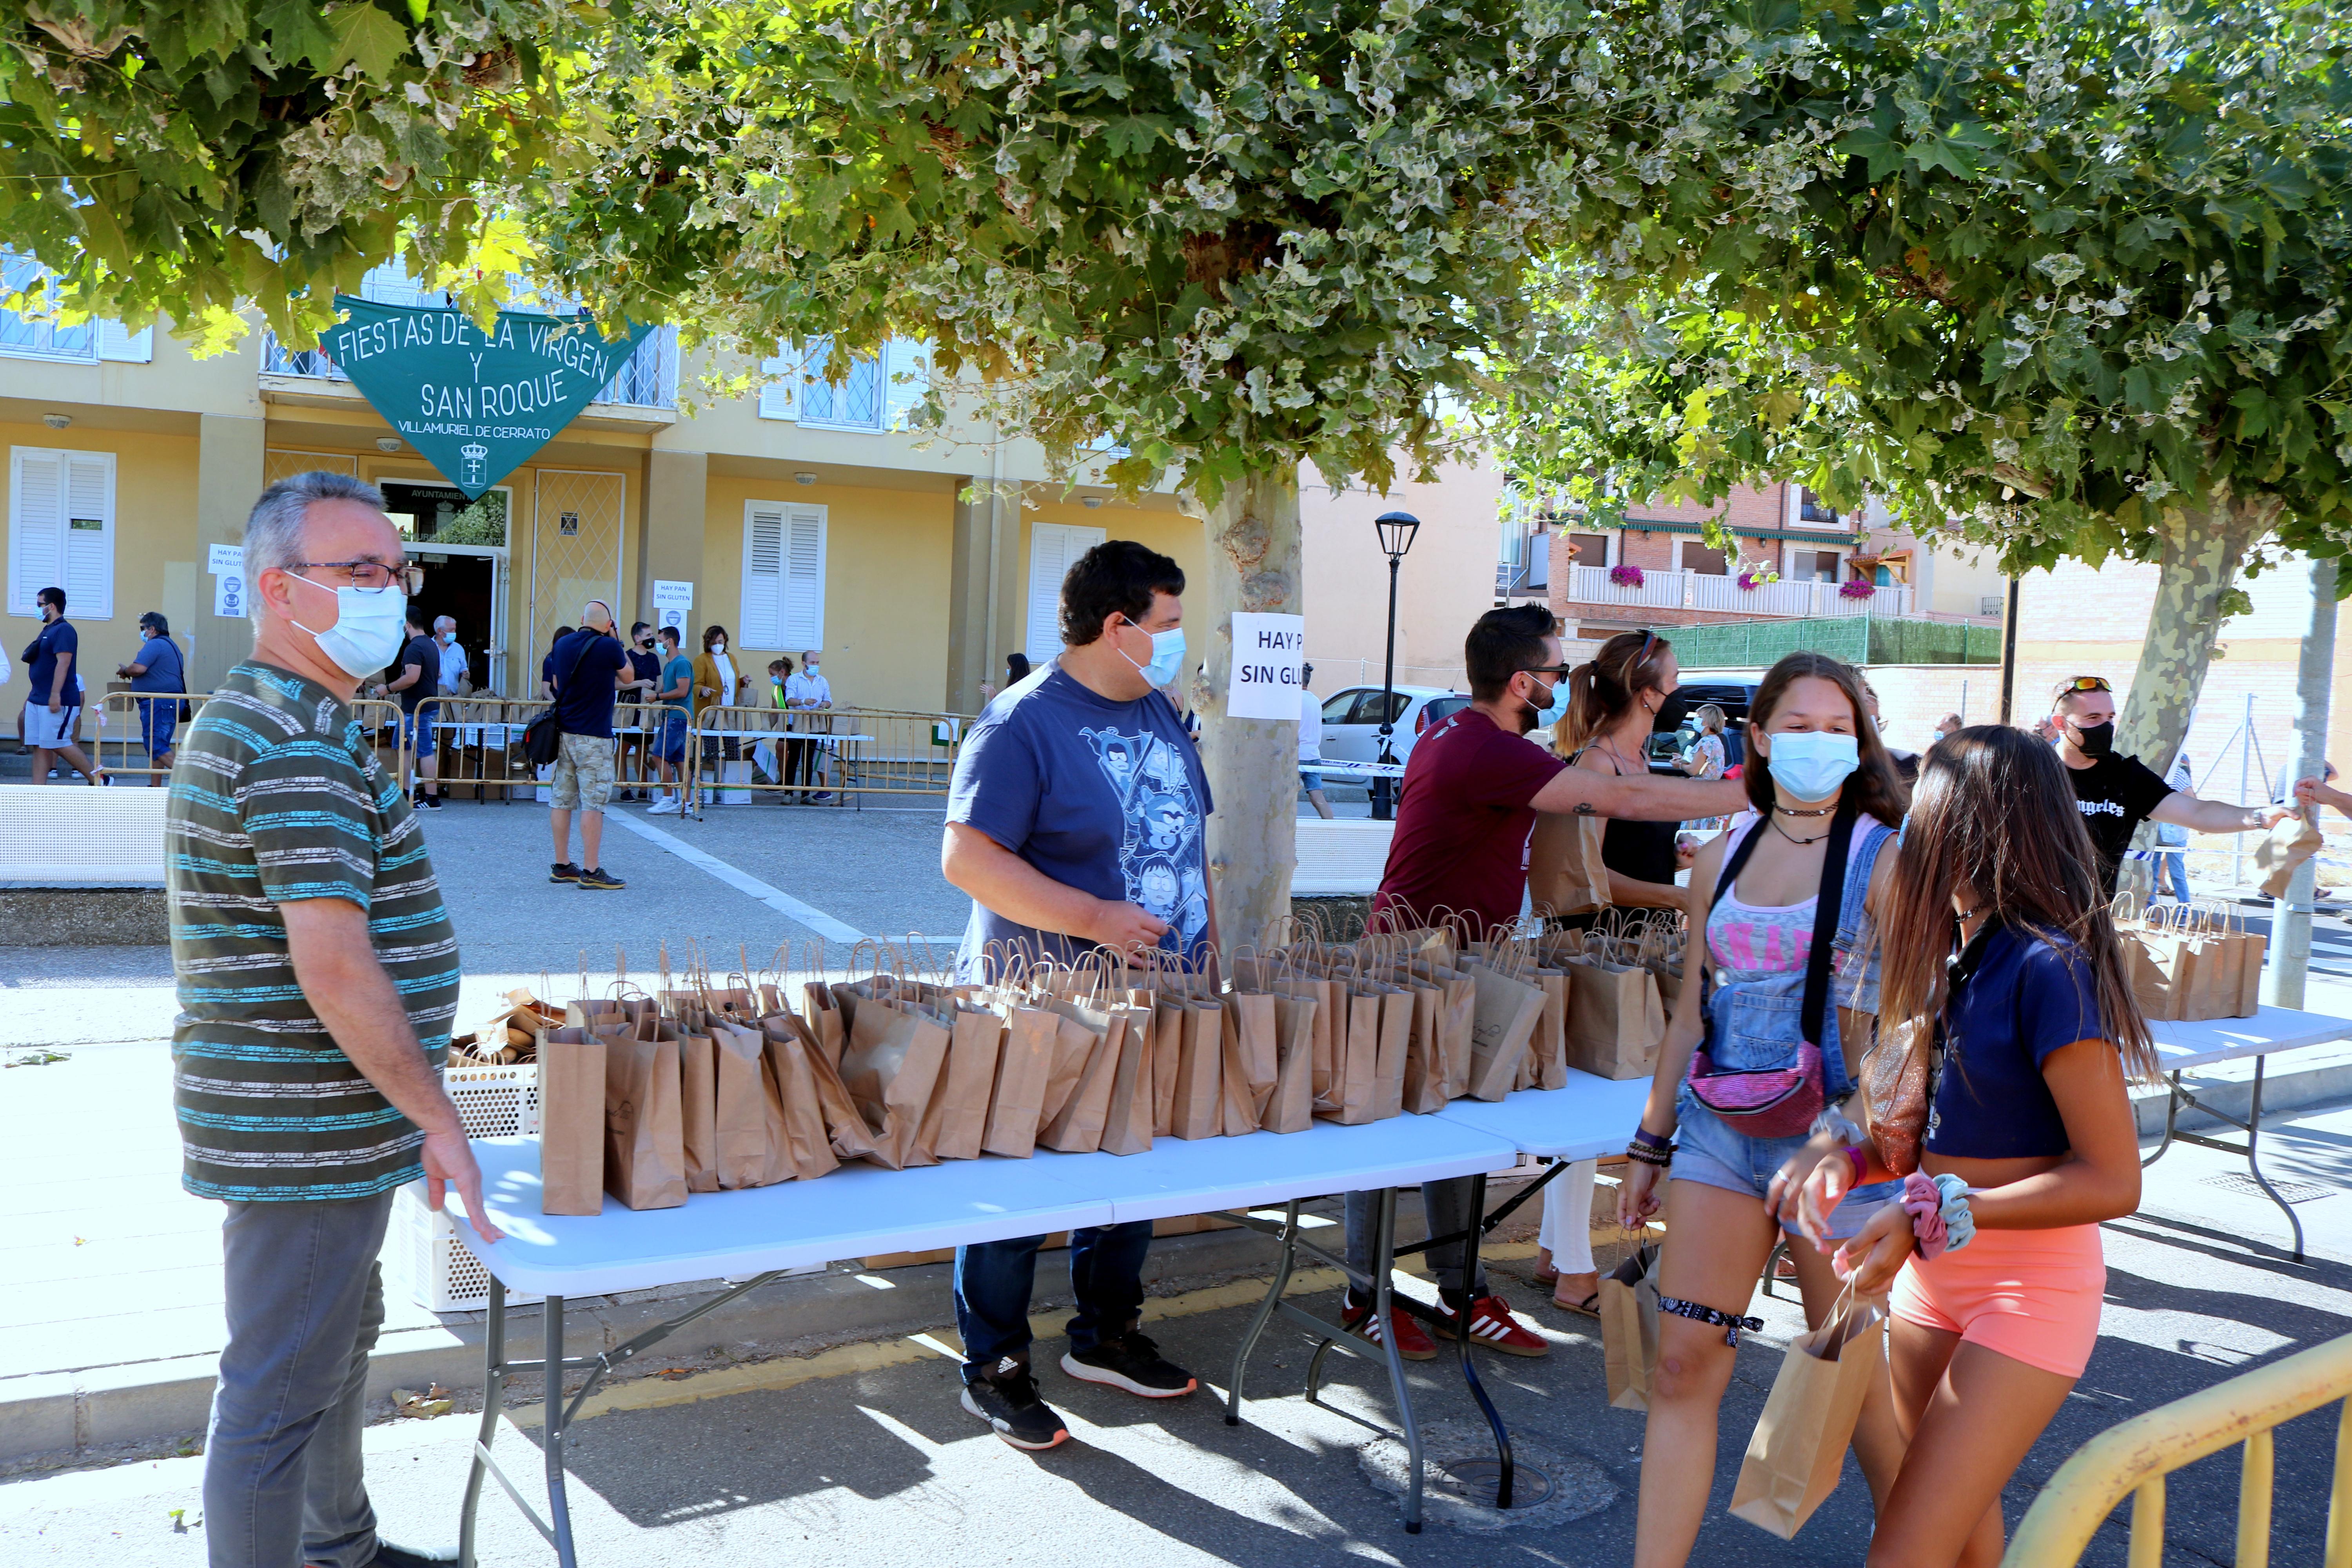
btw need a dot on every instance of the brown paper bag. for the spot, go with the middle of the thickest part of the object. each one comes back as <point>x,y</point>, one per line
<point>1100,1041</point>
<point>571,1122</point>
<point>1355,1058</point>
<point>826,1027</point>
<point>890,1067</point>
<point>1025,1061</point>
<point>845,1125</point>
<point>1799,1451</point>
<point>2294,841</point>
<point>1629,1328</point>
<point>2253,946</point>
<point>645,1136</point>
<point>1198,1107</point>
<point>1549,1046</point>
<point>958,1118</point>
<point>1126,1120</point>
<point>697,1075</point>
<point>1252,1063</point>
<point>1396,1044</point>
<point>1500,1028</point>
<point>1073,1046</point>
<point>800,1148</point>
<point>739,1121</point>
<point>1615,1019</point>
<point>2161,962</point>
<point>1457,1007</point>
<point>1291,1107</point>
<point>1424,1089</point>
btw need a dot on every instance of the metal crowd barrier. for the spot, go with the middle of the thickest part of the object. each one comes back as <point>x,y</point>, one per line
<point>477,746</point>
<point>2132,1458</point>
<point>858,752</point>
<point>118,715</point>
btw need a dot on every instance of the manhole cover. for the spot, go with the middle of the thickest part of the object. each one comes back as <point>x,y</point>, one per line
<point>2293,1192</point>
<point>1479,1481</point>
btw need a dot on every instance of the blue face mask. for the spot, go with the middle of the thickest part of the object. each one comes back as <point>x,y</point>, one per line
<point>1546,717</point>
<point>1812,765</point>
<point>1166,656</point>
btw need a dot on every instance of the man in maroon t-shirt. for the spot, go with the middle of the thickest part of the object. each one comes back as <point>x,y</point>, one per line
<point>1472,793</point>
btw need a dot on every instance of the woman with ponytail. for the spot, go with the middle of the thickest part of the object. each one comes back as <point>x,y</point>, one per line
<point>2012,1132</point>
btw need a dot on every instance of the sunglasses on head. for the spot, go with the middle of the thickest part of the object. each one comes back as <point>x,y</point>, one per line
<point>2086,683</point>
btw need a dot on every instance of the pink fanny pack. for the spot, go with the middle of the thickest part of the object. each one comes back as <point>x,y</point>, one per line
<point>1762,1102</point>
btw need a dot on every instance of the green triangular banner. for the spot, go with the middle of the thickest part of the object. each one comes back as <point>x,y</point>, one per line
<point>478,406</point>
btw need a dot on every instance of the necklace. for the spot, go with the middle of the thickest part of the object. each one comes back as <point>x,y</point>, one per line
<point>1792,811</point>
<point>1792,838</point>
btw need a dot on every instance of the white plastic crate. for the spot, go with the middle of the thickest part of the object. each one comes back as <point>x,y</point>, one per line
<point>492,1102</point>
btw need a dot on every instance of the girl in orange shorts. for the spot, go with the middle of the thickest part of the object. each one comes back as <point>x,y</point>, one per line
<point>1998,950</point>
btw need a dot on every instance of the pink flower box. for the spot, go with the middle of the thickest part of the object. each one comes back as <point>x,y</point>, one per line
<point>1625,576</point>
<point>1856,588</point>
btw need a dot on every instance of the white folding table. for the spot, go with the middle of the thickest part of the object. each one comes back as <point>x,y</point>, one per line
<point>2180,1048</point>
<point>750,1237</point>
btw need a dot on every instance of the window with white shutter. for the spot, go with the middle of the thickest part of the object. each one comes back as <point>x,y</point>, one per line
<point>780,398</point>
<point>116,342</point>
<point>61,530</point>
<point>1054,548</point>
<point>784,576</point>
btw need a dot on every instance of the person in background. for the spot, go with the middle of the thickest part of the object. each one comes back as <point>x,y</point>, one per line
<point>2115,793</point>
<point>590,663</point>
<point>1310,744</point>
<point>1016,671</point>
<point>1474,787</point>
<point>1605,712</point>
<point>640,683</point>
<point>156,667</point>
<point>716,685</point>
<point>1077,818</point>
<point>764,754</point>
<point>2171,853</point>
<point>546,665</point>
<point>1906,763</point>
<point>1754,924</point>
<point>418,669</point>
<point>2000,951</point>
<point>1948,726</point>
<point>677,693</point>
<point>2046,729</point>
<point>318,975</point>
<point>53,716</point>
<point>810,694</point>
<point>454,676</point>
<point>1705,758</point>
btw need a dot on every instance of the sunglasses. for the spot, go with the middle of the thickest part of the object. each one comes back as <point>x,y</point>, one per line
<point>2086,683</point>
<point>1558,670</point>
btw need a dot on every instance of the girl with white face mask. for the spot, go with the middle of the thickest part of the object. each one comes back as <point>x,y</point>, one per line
<point>1755,1078</point>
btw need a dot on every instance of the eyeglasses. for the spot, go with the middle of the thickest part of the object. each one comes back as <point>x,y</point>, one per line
<point>1552,669</point>
<point>2086,683</point>
<point>409,580</point>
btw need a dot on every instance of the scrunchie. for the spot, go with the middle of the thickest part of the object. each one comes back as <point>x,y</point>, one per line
<point>1940,1217</point>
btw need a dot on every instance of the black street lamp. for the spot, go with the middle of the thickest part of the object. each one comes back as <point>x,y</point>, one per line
<point>1396,531</point>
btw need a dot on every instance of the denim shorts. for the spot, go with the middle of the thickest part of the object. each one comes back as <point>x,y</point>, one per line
<point>1311,780</point>
<point>1712,1153</point>
<point>671,748</point>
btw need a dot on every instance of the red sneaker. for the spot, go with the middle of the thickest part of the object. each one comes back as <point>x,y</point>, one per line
<point>1412,1341</point>
<point>1492,1325</point>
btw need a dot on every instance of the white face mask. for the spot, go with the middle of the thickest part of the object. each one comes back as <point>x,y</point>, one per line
<point>719,647</point>
<point>369,624</point>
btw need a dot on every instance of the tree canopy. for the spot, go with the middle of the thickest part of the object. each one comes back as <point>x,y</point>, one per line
<point>2079,276</point>
<point>192,159</point>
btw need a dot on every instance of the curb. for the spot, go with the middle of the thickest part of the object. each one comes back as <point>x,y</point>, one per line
<point>2320,1074</point>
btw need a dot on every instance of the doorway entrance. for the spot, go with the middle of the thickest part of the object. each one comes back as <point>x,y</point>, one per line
<point>462,546</point>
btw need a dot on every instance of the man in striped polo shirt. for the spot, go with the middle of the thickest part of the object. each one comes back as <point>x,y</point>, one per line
<point>318,974</point>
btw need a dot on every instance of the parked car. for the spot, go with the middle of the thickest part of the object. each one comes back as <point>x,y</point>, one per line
<point>1676,730</point>
<point>1351,719</point>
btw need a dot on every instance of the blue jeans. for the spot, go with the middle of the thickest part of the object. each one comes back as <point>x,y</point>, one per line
<point>993,1279</point>
<point>282,1477</point>
<point>1444,1207</point>
<point>2177,863</point>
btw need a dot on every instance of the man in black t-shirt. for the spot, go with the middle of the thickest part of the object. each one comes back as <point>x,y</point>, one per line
<point>586,669</point>
<point>416,675</point>
<point>2116,794</point>
<point>640,683</point>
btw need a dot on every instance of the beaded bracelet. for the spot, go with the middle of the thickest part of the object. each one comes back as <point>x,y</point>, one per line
<point>1645,1154</point>
<point>1650,1140</point>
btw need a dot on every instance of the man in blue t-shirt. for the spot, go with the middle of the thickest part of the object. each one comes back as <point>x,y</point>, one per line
<point>585,669</point>
<point>156,667</point>
<point>675,690</point>
<point>53,716</point>
<point>1075,819</point>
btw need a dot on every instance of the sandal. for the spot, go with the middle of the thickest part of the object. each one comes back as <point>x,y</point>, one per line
<point>1590,1306</point>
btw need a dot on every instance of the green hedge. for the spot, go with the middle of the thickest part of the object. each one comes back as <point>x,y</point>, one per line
<point>1857,639</point>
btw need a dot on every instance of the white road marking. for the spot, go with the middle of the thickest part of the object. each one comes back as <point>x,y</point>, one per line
<point>776,898</point>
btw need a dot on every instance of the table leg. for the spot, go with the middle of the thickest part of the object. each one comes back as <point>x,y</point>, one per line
<point>1462,1340</point>
<point>558,1505</point>
<point>1264,1313</point>
<point>1384,1295</point>
<point>2172,1114</point>
<point>2253,1141</point>
<point>493,1340</point>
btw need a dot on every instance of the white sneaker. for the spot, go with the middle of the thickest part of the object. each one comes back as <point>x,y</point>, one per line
<point>666,806</point>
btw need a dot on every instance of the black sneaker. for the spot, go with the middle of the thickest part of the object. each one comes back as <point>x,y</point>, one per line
<point>387,1556</point>
<point>600,878</point>
<point>1005,1397</point>
<point>1133,1363</point>
<point>429,802</point>
<point>564,871</point>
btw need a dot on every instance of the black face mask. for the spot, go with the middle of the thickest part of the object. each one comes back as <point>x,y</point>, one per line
<point>2095,739</point>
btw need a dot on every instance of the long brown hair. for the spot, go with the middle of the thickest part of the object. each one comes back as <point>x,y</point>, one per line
<point>1875,787</point>
<point>1601,688</point>
<point>1994,813</point>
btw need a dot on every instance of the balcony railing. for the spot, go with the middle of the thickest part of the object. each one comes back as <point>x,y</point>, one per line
<point>648,379</point>
<point>1790,597</point>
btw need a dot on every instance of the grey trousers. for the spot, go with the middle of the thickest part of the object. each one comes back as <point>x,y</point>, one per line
<point>1446,1206</point>
<point>282,1480</point>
